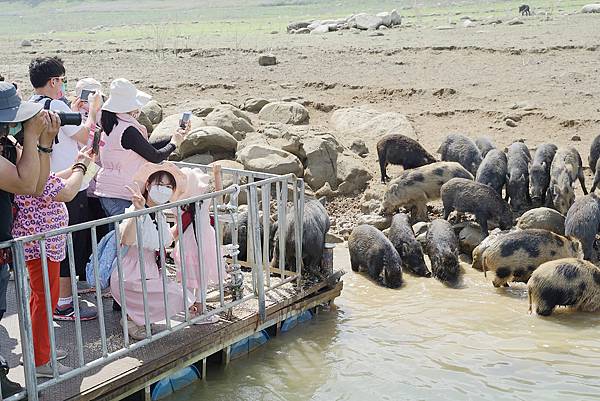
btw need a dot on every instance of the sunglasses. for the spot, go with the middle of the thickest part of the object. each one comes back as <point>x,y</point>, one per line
<point>62,79</point>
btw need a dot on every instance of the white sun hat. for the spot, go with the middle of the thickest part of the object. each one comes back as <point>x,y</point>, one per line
<point>89,84</point>
<point>124,97</point>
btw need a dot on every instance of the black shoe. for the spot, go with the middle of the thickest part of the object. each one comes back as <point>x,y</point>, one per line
<point>116,306</point>
<point>9,387</point>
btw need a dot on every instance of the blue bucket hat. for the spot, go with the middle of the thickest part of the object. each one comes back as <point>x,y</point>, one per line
<point>12,109</point>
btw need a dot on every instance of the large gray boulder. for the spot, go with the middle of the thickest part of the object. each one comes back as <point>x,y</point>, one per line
<point>267,159</point>
<point>154,111</point>
<point>255,105</point>
<point>386,18</point>
<point>590,8</point>
<point>351,174</point>
<point>396,18</point>
<point>320,29</point>
<point>267,60</point>
<point>145,121</point>
<point>366,21</point>
<point>201,107</point>
<point>371,123</point>
<point>167,127</point>
<point>213,140</point>
<point>284,112</point>
<point>229,119</point>
<point>321,161</point>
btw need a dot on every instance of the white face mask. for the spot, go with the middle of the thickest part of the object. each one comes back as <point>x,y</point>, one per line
<point>160,194</point>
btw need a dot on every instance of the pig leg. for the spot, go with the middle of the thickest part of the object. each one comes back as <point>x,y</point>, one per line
<point>383,166</point>
<point>484,225</point>
<point>419,211</point>
<point>582,180</point>
<point>354,262</point>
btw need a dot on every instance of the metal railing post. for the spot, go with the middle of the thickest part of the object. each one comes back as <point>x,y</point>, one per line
<point>140,245</point>
<point>100,308</point>
<point>199,242</point>
<point>257,265</point>
<point>186,310</point>
<point>24,313</point>
<point>266,209</point>
<point>49,311</point>
<point>163,268</point>
<point>298,226</point>
<point>78,333</point>
<point>119,261</point>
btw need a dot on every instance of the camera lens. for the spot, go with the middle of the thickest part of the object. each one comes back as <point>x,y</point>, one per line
<point>69,118</point>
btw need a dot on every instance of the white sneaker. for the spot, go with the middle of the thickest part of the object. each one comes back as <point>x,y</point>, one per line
<point>45,371</point>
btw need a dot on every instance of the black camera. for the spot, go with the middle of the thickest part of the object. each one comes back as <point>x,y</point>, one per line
<point>69,118</point>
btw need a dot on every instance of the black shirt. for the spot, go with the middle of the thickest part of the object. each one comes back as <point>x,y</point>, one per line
<point>9,152</point>
<point>133,139</point>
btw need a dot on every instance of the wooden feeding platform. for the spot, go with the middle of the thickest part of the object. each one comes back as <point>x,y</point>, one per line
<point>139,368</point>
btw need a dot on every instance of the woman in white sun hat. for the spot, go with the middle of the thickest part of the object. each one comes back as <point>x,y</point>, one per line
<point>126,147</point>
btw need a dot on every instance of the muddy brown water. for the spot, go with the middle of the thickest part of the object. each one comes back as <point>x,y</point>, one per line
<point>422,342</point>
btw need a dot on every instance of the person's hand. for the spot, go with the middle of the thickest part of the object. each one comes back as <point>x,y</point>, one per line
<point>180,134</point>
<point>47,137</point>
<point>138,201</point>
<point>177,138</point>
<point>187,129</point>
<point>37,124</point>
<point>95,102</point>
<point>76,105</point>
<point>85,156</point>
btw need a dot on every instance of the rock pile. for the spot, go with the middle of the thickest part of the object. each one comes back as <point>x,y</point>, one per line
<point>362,21</point>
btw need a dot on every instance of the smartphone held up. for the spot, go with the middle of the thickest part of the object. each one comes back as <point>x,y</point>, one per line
<point>185,118</point>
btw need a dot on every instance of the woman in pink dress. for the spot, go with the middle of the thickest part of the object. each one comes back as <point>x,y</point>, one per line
<point>197,184</point>
<point>155,184</point>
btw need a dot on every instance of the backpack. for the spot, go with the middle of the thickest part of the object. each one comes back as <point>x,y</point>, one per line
<point>107,260</point>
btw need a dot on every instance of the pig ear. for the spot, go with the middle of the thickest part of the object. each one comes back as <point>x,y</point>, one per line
<point>323,200</point>
<point>522,177</point>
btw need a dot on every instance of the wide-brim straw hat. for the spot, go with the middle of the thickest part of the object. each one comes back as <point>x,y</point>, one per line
<point>142,175</point>
<point>197,182</point>
<point>88,84</point>
<point>12,109</point>
<point>124,97</point>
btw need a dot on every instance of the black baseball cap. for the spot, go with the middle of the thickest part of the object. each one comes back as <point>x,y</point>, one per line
<point>12,109</point>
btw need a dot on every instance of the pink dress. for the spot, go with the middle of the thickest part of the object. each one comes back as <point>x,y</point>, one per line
<point>132,280</point>
<point>197,184</point>
<point>209,253</point>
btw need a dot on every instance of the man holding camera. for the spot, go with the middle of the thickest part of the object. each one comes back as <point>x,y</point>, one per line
<point>20,175</point>
<point>48,77</point>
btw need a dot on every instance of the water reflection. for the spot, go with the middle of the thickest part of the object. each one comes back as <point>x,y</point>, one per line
<point>423,342</point>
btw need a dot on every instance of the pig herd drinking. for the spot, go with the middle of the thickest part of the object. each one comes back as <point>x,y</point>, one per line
<point>543,234</point>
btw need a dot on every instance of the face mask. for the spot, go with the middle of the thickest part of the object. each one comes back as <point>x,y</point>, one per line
<point>160,194</point>
<point>13,131</point>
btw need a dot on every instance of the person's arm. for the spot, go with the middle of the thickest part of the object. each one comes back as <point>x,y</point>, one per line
<point>73,182</point>
<point>72,185</point>
<point>133,139</point>
<point>22,179</point>
<point>82,133</point>
<point>46,141</point>
<point>127,227</point>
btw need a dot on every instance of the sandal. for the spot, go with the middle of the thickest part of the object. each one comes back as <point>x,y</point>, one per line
<point>209,320</point>
<point>195,310</point>
<point>136,332</point>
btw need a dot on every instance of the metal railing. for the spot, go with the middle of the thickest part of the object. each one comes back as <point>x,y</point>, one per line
<point>261,192</point>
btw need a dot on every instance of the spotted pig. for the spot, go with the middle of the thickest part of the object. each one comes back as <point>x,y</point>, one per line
<point>514,256</point>
<point>567,282</point>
